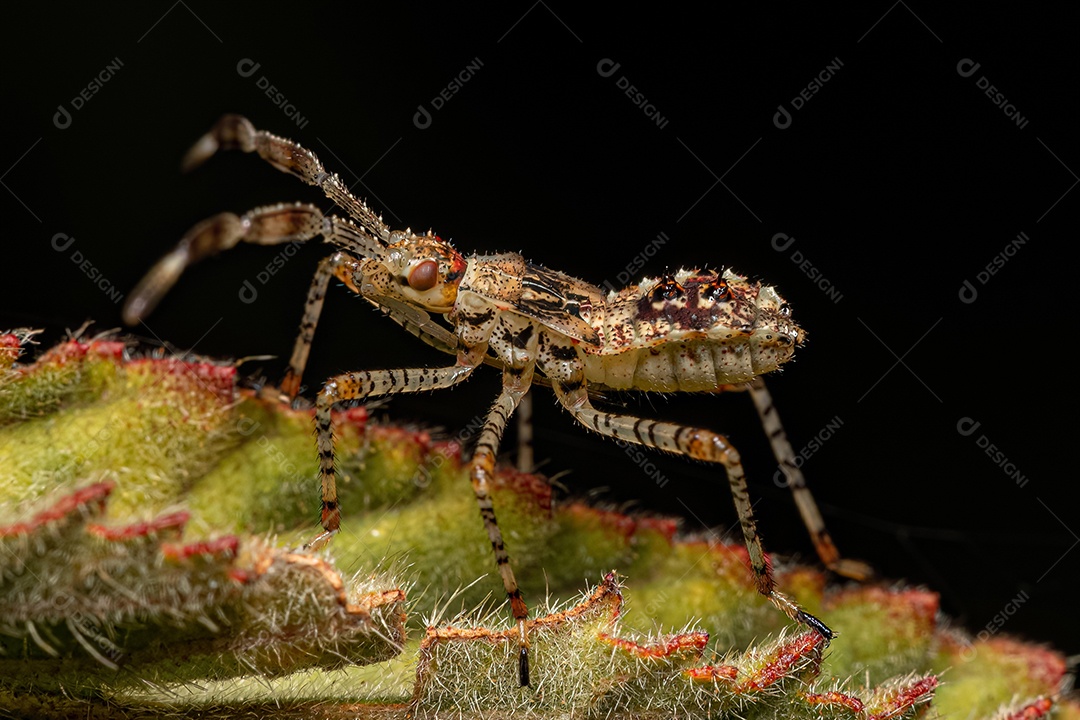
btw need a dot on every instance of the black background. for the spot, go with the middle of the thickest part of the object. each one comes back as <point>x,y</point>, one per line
<point>899,180</point>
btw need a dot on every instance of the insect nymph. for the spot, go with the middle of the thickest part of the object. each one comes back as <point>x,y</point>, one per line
<point>689,331</point>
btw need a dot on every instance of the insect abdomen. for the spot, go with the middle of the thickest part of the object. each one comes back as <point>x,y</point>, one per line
<point>692,366</point>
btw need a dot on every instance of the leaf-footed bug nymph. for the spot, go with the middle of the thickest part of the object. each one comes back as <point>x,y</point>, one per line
<point>690,331</point>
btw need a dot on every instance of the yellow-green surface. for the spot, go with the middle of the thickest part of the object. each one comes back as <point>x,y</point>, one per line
<point>98,625</point>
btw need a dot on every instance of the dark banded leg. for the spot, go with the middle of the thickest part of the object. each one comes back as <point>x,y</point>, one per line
<point>234,132</point>
<point>525,459</point>
<point>269,225</point>
<point>481,468</point>
<point>701,445</point>
<point>359,386</point>
<point>338,265</point>
<point>346,269</point>
<point>804,500</point>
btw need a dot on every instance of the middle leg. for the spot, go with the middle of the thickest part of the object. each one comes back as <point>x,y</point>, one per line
<point>481,469</point>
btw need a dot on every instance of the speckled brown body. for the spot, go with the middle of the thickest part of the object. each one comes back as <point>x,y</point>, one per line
<point>690,331</point>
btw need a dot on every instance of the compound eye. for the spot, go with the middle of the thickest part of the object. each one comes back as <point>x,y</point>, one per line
<point>424,276</point>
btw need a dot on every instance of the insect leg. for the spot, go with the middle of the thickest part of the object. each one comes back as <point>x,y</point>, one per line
<point>419,323</point>
<point>701,445</point>
<point>359,386</point>
<point>234,132</point>
<point>804,500</point>
<point>416,321</point>
<point>269,225</point>
<point>525,459</point>
<point>481,468</point>
<point>337,264</point>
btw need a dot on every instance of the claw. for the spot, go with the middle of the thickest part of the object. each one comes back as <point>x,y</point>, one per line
<point>320,540</point>
<point>523,655</point>
<point>523,666</point>
<point>807,619</point>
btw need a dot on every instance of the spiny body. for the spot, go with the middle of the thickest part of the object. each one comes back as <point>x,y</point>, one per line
<point>688,331</point>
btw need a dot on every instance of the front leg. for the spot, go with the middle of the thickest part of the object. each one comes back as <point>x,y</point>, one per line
<point>359,386</point>
<point>337,265</point>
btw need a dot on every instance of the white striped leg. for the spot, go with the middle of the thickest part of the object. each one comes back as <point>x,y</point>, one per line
<point>481,468</point>
<point>701,445</point>
<point>804,500</point>
<point>359,386</point>
<point>234,132</point>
